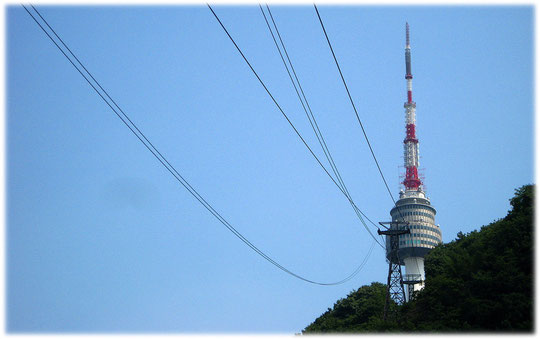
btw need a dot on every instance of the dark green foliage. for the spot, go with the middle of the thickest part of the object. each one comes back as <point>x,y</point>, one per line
<point>481,281</point>
<point>354,313</point>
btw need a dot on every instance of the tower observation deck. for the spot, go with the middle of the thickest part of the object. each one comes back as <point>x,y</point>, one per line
<point>413,206</point>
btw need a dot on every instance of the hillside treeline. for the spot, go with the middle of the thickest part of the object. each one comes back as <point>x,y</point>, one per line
<point>480,282</point>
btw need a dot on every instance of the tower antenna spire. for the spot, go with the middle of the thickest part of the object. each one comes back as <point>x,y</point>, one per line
<point>407,34</point>
<point>412,180</point>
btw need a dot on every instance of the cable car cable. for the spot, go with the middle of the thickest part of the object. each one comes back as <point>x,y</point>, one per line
<point>167,165</point>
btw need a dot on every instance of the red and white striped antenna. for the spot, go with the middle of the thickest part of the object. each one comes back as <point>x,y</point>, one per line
<point>412,180</point>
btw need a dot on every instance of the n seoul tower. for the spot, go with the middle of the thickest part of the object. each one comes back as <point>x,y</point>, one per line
<point>413,206</point>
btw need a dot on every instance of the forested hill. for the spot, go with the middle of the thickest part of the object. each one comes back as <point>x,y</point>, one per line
<point>482,281</point>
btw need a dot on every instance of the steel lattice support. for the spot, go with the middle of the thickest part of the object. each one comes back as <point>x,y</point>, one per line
<point>395,290</point>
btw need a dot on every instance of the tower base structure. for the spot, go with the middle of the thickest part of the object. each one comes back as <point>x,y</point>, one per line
<point>413,211</point>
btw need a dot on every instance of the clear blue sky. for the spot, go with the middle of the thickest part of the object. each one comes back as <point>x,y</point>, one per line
<point>100,238</point>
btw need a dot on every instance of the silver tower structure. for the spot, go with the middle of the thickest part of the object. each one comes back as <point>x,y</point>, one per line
<point>413,205</point>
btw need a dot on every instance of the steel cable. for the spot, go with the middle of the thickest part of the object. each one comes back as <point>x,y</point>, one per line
<point>142,138</point>
<point>287,118</point>
<point>311,117</point>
